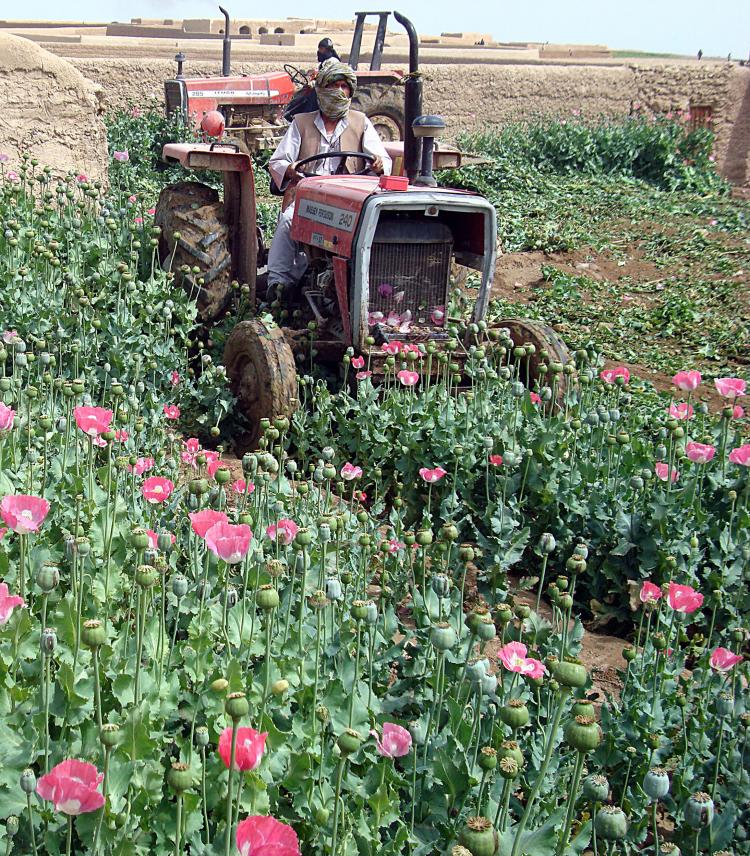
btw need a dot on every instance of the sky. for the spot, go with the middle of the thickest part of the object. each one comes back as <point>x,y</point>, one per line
<point>717,27</point>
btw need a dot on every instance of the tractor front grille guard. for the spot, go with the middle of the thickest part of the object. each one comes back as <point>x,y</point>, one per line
<point>408,281</point>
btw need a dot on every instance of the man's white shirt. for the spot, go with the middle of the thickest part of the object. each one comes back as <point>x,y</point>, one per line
<point>287,152</point>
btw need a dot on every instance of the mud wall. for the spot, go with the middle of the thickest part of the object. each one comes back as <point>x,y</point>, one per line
<point>473,96</point>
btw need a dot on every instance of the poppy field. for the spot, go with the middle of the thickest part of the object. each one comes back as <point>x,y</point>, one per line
<point>365,636</point>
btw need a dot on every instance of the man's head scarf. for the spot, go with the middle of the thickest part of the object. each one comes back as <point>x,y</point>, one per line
<point>334,103</point>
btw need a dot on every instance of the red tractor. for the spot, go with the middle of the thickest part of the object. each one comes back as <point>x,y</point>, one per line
<point>382,252</point>
<point>257,108</point>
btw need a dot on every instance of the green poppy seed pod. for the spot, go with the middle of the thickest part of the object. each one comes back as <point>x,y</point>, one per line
<point>473,619</point>
<point>724,704</point>
<point>583,734</point>
<point>442,636</point>
<point>198,487</point>
<point>504,614</point>
<point>522,610</point>
<point>278,688</point>
<point>329,472</point>
<point>547,543</point>
<point>582,707</point>
<point>699,810</point>
<point>449,532</point>
<point>667,848</point>
<point>570,673</point>
<point>109,735</point>
<point>318,600</point>
<point>479,837</point>
<point>146,576</point>
<point>48,577</point>
<point>180,777</point>
<point>11,826</point>
<point>334,589</point>
<point>275,568</point>
<point>441,584</point>
<point>656,783</point>
<point>418,732</point>
<point>371,613</point>
<point>349,741</point>
<point>179,585</point>
<point>322,713</point>
<point>236,706</point>
<point>303,538</point>
<point>515,714</point>
<point>653,740</point>
<point>93,635</point>
<point>562,583</point>
<point>150,556</point>
<point>485,629</point>
<point>629,653</point>
<point>611,823</point>
<point>267,598</point>
<point>466,553</point>
<point>659,641</point>
<point>249,464</point>
<point>488,684</point>
<point>28,781</point>
<point>324,533</point>
<point>565,602</point>
<point>346,578</point>
<point>358,610</point>
<point>477,668</point>
<point>424,537</point>
<point>596,788</point>
<point>48,641</point>
<point>510,749</point>
<point>139,539</point>
<point>487,758</point>
<point>164,541</point>
<point>508,767</point>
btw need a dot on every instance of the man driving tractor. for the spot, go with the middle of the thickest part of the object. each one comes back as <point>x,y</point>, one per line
<point>333,127</point>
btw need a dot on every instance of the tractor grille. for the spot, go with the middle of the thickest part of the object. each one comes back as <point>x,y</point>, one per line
<point>409,268</point>
<point>175,96</point>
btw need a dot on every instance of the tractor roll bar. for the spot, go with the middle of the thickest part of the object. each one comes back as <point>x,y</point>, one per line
<point>226,46</point>
<point>412,100</point>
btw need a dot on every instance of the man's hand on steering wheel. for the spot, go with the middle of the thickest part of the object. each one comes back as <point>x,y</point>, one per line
<point>373,163</point>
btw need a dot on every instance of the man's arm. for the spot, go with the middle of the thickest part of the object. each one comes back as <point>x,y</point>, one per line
<point>373,145</point>
<point>282,162</point>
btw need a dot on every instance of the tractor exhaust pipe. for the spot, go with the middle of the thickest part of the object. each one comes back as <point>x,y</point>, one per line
<point>226,47</point>
<point>412,100</point>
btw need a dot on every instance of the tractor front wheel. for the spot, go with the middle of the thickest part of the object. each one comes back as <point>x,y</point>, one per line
<point>262,375</point>
<point>548,348</point>
<point>195,236</point>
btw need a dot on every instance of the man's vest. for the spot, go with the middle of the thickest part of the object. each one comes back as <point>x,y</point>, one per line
<point>351,140</point>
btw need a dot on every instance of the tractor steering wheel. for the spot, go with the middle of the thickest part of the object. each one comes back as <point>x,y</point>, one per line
<point>369,158</point>
<point>296,74</point>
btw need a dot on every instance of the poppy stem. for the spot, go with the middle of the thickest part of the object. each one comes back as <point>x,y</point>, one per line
<point>228,842</point>
<point>70,835</point>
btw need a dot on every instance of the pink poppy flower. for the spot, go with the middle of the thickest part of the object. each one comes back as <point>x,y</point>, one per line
<point>684,599</point>
<point>393,319</point>
<point>349,472</point>
<point>93,420</point>
<point>10,337</point>
<point>363,375</point>
<point>151,211</point>
<point>132,198</point>
<point>82,177</point>
<point>214,466</point>
<point>142,465</point>
<point>202,521</point>
<point>534,669</point>
<point>240,486</point>
<point>374,318</point>
<point>665,473</point>
<point>193,445</point>
<point>513,656</point>
<point>135,112</point>
<point>122,436</point>
<point>741,455</point>
<point>358,362</point>
<point>437,316</point>
<point>699,453</point>
<point>432,475</point>
<point>496,460</point>
<point>722,660</point>
<point>687,381</point>
<point>229,542</point>
<point>122,157</point>
<point>210,456</point>
<point>260,835</point>
<point>13,177</point>
<point>611,375</point>
<point>153,539</point>
<point>285,530</point>
<point>7,417</point>
<point>248,751</point>
<point>730,387</point>
<point>393,348</point>
<point>683,410</point>
<point>138,221</point>
<point>8,602</point>
<point>649,593</point>
<point>174,378</point>
<point>171,411</point>
<point>395,743</point>
<point>73,786</point>
<point>408,378</point>
<point>394,545</point>
<point>535,398</point>
<point>157,489</point>
<point>737,412</point>
<point>23,513</point>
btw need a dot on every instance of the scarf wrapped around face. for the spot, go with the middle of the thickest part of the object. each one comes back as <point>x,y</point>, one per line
<point>334,103</point>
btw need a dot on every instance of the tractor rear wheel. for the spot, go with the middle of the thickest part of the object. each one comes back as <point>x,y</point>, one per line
<point>544,339</point>
<point>262,375</point>
<point>195,212</point>
<point>384,108</point>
